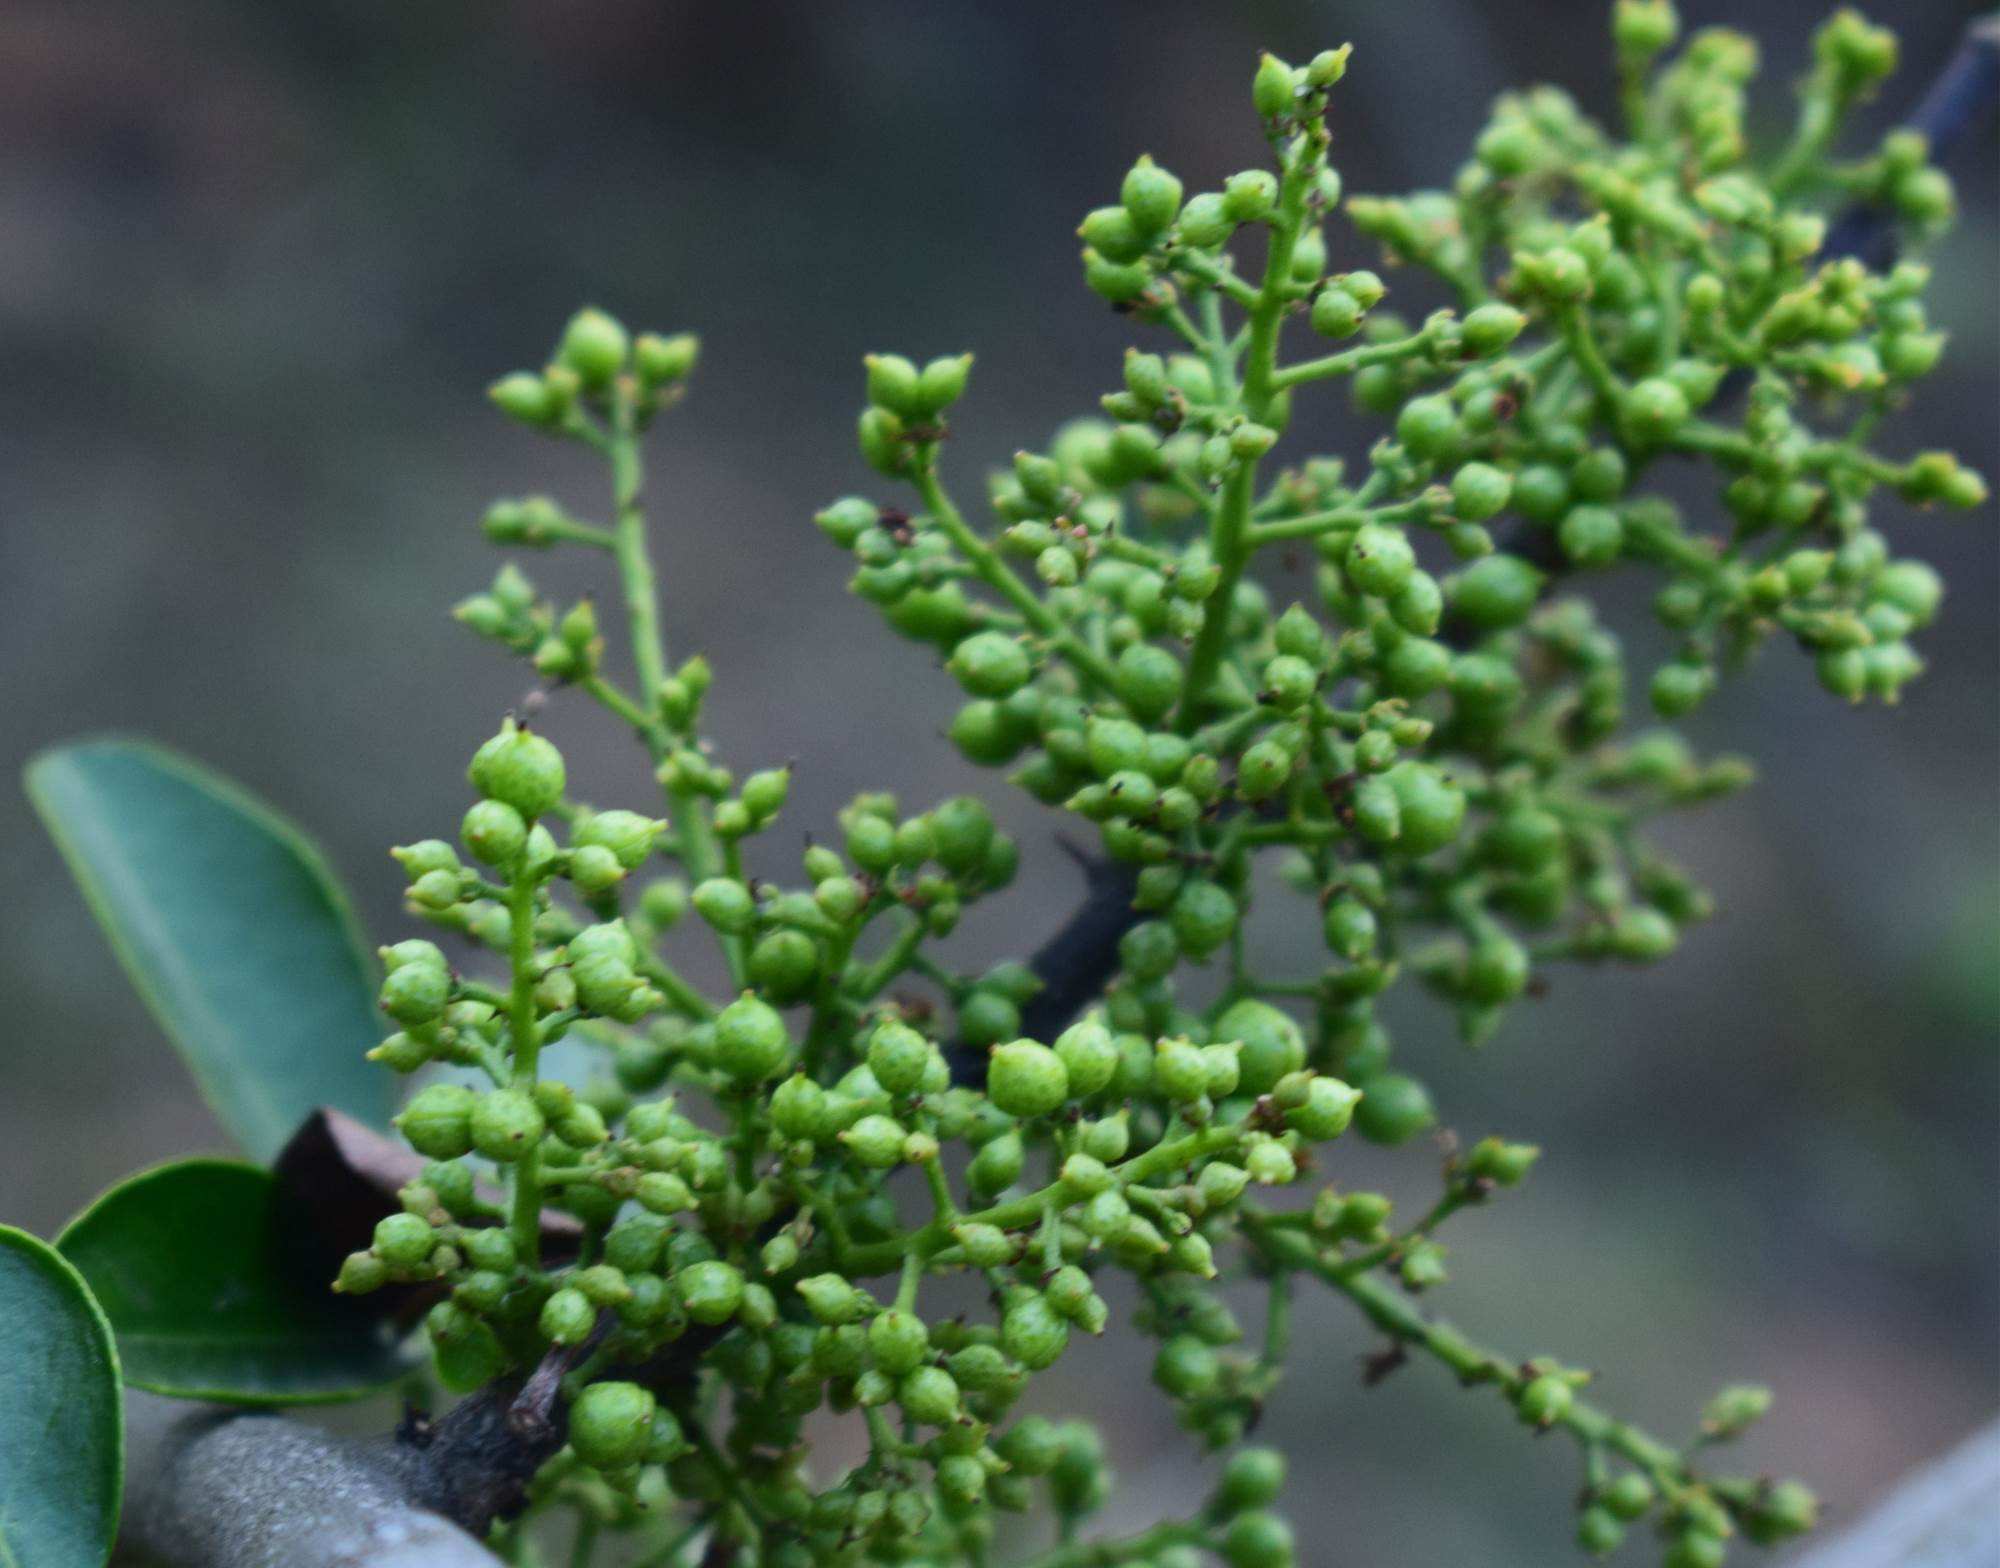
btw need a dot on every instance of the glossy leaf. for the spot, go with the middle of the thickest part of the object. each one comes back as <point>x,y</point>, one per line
<point>198,1267</point>
<point>61,1414</point>
<point>230,925</point>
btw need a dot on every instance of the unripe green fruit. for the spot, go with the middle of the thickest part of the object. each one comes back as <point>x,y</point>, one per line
<point>899,1057</point>
<point>1349,928</point>
<point>506,1124</point>
<point>415,993</point>
<point>1259,1540</point>
<point>1203,917</point>
<point>1431,808</point>
<point>1026,1079</point>
<point>986,1017</point>
<point>725,904</point>
<point>519,769</point>
<point>784,965</point>
<point>494,832</point>
<point>1148,680</point>
<point>898,1341</point>
<point>1598,1531</point>
<point>626,834</point>
<point>1546,1400</point>
<point>1696,1549</point>
<point>1379,560</point>
<point>1489,328</point>
<point>663,360</point>
<point>711,1291</point>
<point>1263,770</point>
<point>1630,1496</point>
<point>594,346</point>
<point>1336,313</point>
<point>611,1424</point>
<point>990,664</point>
<point>1151,196</point>
<point>1033,1333</point>
<point>876,1141</point>
<point>403,1241</point>
<point>1591,535</point>
<point>360,1273</point>
<point>1180,1071</point>
<point>1655,409</point>
<point>1495,592</point>
<point>1252,1478</point>
<point>928,1396</point>
<point>1328,1108</point>
<point>997,1165</point>
<point>1393,1109</point>
<point>1089,1057</point>
<point>1479,491</point>
<point>1272,1042</point>
<point>438,1121</point>
<point>1429,427</point>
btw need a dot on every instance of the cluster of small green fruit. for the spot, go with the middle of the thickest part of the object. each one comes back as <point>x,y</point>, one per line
<point>1438,735</point>
<point>1436,743</point>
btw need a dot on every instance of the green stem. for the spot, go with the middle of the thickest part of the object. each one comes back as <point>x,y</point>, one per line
<point>1000,577</point>
<point>1229,543</point>
<point>1349,360</point>
<point>526,1213</point>
<point>1395,1316</point>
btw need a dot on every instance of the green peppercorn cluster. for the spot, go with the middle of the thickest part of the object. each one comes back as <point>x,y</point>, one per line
<point>1438,739</point>
<point>856,1183</point>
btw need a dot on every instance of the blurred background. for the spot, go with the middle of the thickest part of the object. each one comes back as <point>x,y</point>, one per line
<point>256,265</point>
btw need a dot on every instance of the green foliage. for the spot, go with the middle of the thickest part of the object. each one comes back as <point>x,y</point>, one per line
<point>189,1264</point>
<point>228,924</point>
<point>787,1193</point>
<point>62,1438</point>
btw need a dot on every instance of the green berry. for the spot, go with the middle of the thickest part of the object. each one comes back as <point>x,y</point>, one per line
<point>1259,1540</point>
<point>1379,560</point>
<point>1487,329</point>
<point>403,1241</point>
<point>898,1342</point>
<point>928,1396</point>
<point>1026,1079</point>
<point>1252,1478</point>
<point>990,664</point>
<point>494,832</point>
<point>1033,1333</point>
<point>1089,1057</point>
<point>751,1044</point>
<point>1495,592</point>
<point>594,346</point>
<point>1272,1044</point>
<point>415,993</point>
<point>611,1424</point>
<point>1148,681</point>
<point>1546,1400</point>
<point>1328,1108</point>
<point>506,1124</point>
<point>519,769</point>
<point>1479,491</point>
<point>711,1291</point>
<point>1151,196</point>
<point>1186,1367</point>
<point>1429,427</point>
<point>1393,1109</point>
<point>438,1121</point>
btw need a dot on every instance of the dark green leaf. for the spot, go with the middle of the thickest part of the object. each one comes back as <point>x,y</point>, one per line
<point>62,1420</point>
<point>196,1265</point>
<point>230,925</point>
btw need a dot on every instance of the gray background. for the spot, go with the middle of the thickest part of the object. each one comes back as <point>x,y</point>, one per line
<point>256,263</point>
